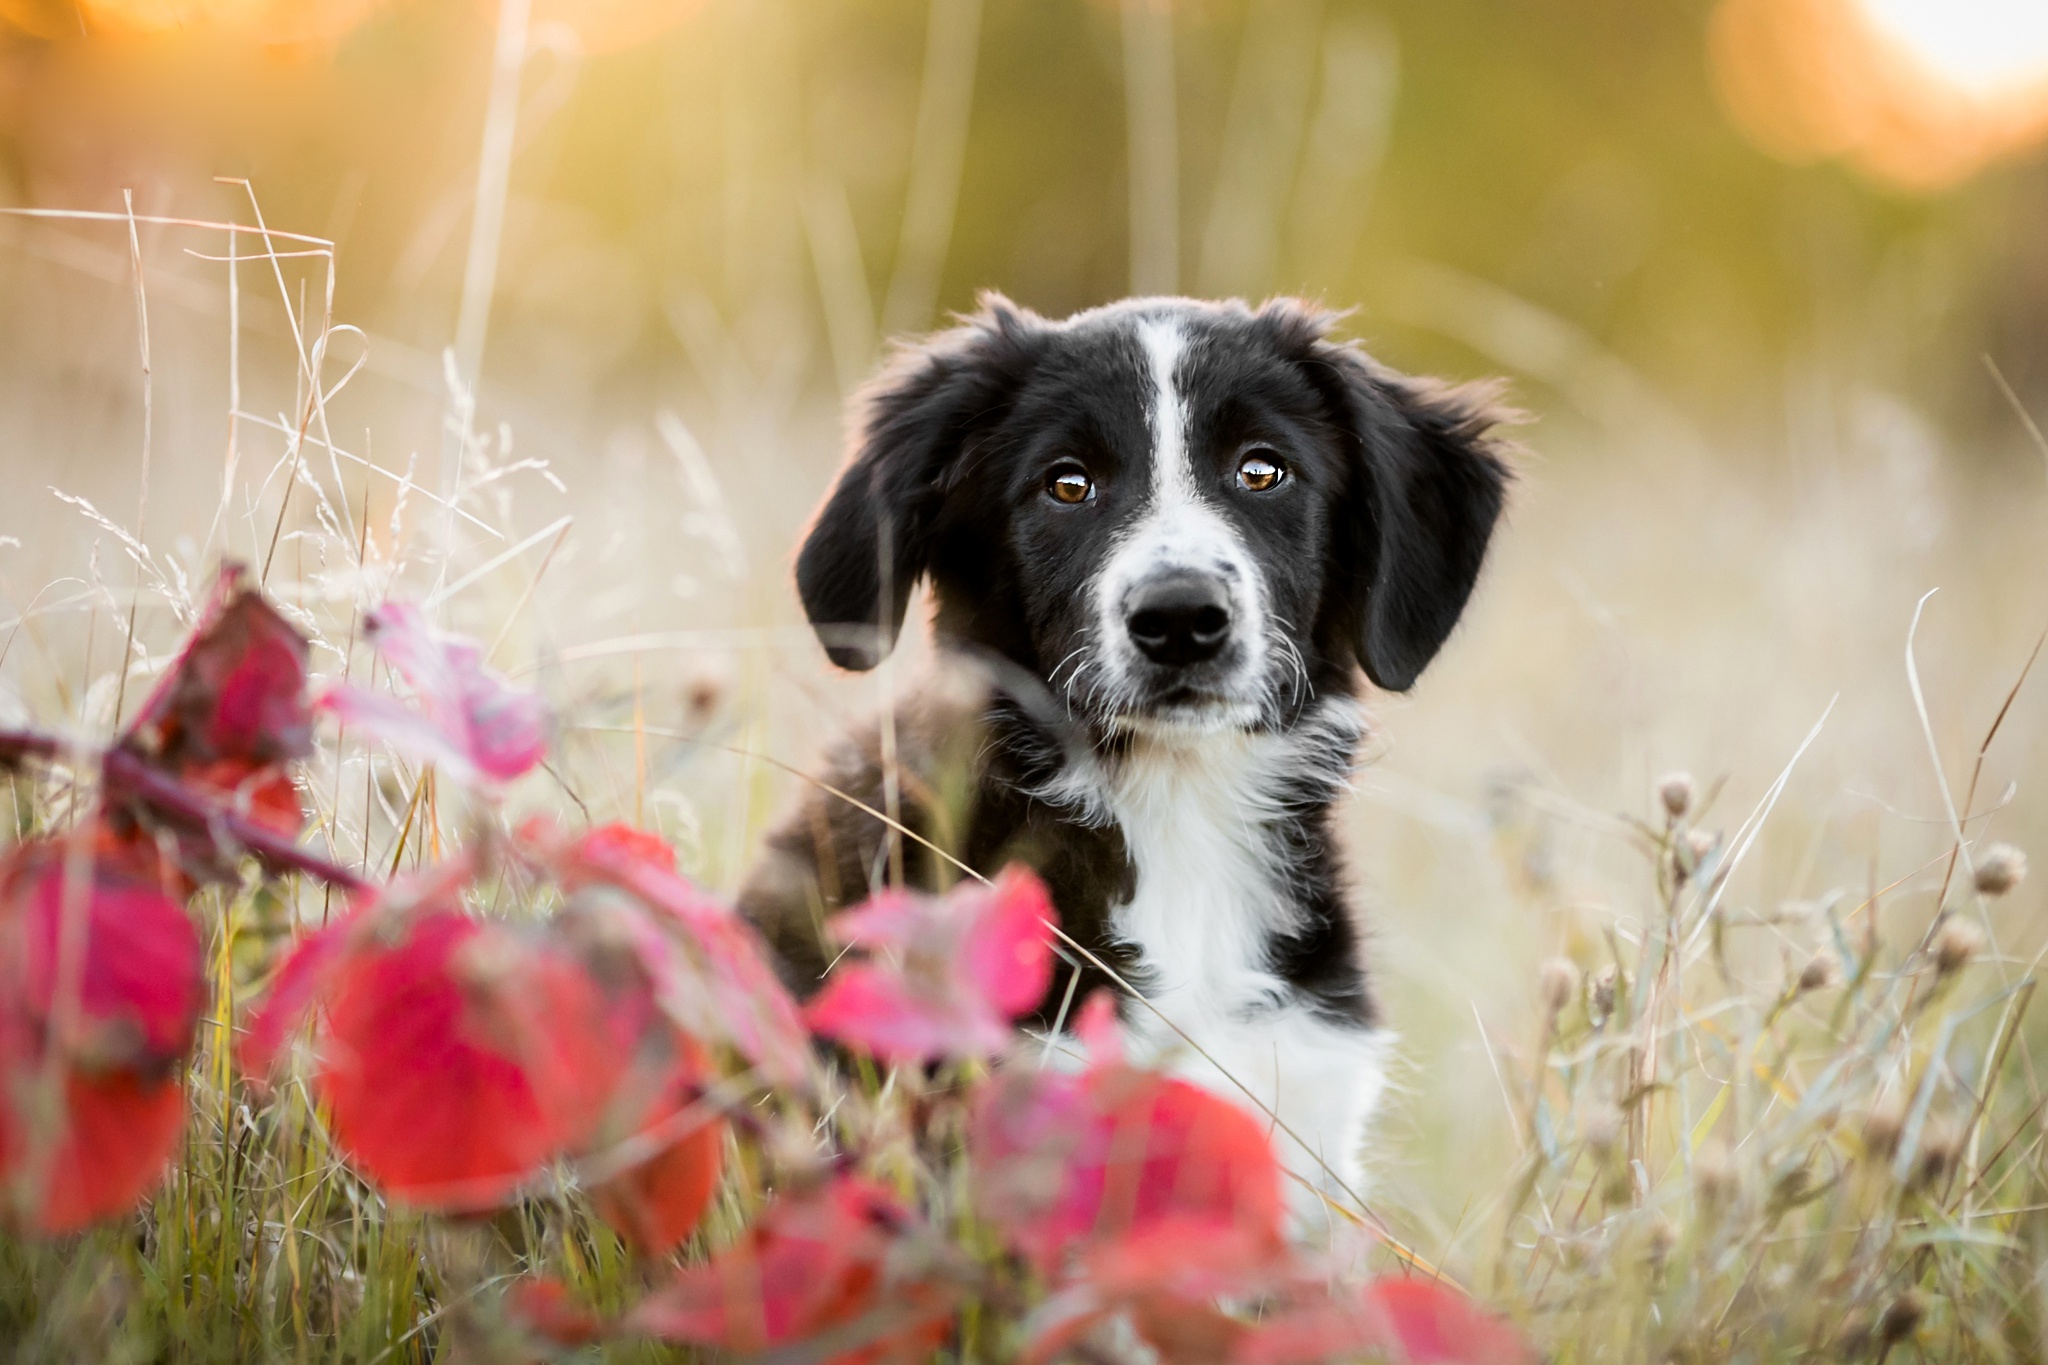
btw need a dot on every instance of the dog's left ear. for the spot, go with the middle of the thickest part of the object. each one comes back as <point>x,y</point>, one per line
<point>1428,483</point>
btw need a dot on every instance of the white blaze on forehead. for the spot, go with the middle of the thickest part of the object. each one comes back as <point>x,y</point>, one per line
<point>1172,480</point>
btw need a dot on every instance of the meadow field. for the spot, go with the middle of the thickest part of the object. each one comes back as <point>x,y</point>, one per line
<point>1694,868</point>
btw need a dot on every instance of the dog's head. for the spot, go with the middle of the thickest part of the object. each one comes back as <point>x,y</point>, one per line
<point>1180,515</point>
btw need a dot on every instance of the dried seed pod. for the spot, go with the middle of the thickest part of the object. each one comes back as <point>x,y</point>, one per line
<point>1821,971</point>
<point>1939,1153</point>
<point>1694,849</point>
<point>1901,1318</point>
<point>1955,943</point>
<point>2000,868</point>
<point>1557,983</point>
<point>1675,791</point>
<point>1881,1129</point>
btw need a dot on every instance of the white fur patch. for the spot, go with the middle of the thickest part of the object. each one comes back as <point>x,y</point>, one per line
<point>1211,892</point>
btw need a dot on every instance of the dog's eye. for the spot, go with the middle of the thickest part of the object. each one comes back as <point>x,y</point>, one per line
<point>1259,471</point>
<point>1070,484</point>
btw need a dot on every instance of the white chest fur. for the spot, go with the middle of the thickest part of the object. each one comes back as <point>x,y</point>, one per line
<point>1211,891</point>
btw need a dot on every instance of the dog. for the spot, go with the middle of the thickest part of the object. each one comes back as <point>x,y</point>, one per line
<point>1171,533</point>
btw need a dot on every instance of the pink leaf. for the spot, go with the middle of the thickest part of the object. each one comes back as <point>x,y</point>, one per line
<point>462,716</point>
<point>953,972</point>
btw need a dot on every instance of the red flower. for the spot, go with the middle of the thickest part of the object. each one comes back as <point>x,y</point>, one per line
<point>229,717</point>
<point>836,1264</point>
<point>101,987</point>
<point>708,970</point>
<point>952,973</point>
<point>458,1055</point>
<point>463,717</point>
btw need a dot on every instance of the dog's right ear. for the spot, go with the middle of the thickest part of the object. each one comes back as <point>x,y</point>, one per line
<point>871,540</point>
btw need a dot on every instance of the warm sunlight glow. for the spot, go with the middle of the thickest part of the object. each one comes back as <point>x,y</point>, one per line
<point>1981,46</point>
<point>1920,94</point>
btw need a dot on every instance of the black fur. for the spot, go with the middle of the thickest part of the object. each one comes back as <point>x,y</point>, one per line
<point>1367,553</point>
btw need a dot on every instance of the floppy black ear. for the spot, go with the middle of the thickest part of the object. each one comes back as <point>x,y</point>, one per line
<point>1428,485</point>
<point>871,540</point>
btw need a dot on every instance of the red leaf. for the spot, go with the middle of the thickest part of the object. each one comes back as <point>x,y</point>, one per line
<point>1069,1161</point>
<point>140,979</point>
<point>954,971</point>
<point>226,721</point>
<point>1432,1322</point>
<point>708,969</point>
<point>656,1151</point>
<point>812,1265</point>
<point>460,1056</point>
<point>1403,1319</point>
<point>236,691</point>
<point>462,716</point>
<point>101,986</point>
<point>657,1203</point>
<point>549,1309</point>
<point>102,1150</point>
<point>294,990</point>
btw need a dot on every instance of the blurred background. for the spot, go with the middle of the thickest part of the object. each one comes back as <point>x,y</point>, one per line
<point>1770,277</point>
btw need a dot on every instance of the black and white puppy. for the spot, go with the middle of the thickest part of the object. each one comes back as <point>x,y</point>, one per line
<point>1173,531</point>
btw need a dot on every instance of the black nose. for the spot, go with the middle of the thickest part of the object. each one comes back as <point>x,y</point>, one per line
<point>1178,620</point>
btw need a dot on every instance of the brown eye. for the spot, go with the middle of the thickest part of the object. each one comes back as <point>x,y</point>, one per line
<point>1071,485</point>
<point>1259,472</point>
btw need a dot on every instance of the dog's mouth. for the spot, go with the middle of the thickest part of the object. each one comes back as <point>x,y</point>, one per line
<point>1184,704</point>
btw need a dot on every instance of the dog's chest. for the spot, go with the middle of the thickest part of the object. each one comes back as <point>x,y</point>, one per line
<point>1210,881</point>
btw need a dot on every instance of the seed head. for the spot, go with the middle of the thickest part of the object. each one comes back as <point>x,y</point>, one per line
<point>1714,1176</point>
<point>1660,1240</point>
<point>1557,983</point>
<point>2000,868</point>
<point>1694,849</point>
<point>1675,791</point>
<point>1601,989</point>
<point>1955,944</point>
<point>1600,1130</point>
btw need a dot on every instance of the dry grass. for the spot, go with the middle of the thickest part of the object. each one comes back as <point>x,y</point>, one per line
<point>1750,1076</point>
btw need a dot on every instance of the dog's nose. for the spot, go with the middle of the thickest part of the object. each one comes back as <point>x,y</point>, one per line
<point>1179,619</point>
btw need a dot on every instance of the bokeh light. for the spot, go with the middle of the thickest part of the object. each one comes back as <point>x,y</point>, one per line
<point>599,25</point>
<point>1918,94</point>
